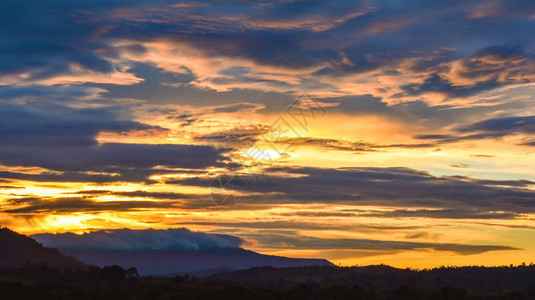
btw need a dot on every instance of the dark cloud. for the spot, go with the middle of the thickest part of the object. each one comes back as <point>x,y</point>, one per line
<point>108,162</point>
<point>307,242</point>
<point>53,125</point>
<point>236,137</point>
<point>185,119</point>
<point>43,39</point>
<point>507,183</point>
<point>438,139</point>
<point>63,139</point>
<point>437,84</point>
<point>484,69</point>
<point>33,205</point>
<point>358,146</point>
<point>318,214</point>
<point>137,175</point>
<point>235,108</point>
<point>9,186</point>
<point>494,60</point>
<point>143,194</point>
<point>47,93</point>
<point>427,115</point>
<point>413,213</point>
<point>507,125</point>
<point>355,146</point>
<point>443,214</point>
<point>395,187</point>
<point>300,225</point>
<point>490,128</point>
<point>127,239</point>
<point>112,156</point>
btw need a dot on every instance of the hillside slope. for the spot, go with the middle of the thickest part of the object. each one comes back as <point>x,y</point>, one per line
<point>17,249</point>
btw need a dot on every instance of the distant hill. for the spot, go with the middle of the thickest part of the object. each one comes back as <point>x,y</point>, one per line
<point>171,262</point>
<point>368,282</point>
<point>16,250</point>
<point>382,277</point>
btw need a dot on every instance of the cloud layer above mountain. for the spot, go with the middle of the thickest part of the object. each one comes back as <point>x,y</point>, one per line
<point>126,239</point>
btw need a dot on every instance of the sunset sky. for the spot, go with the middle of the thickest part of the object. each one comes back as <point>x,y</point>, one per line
<point>363,132</point>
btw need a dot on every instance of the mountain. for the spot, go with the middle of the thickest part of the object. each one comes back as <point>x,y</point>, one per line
<point>16,250</point>
<point>166,251</point>
<point>169,262</point>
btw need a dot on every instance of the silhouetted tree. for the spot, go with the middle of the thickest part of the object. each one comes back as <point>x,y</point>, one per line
<point>114,272</point>
<point>132,272</point>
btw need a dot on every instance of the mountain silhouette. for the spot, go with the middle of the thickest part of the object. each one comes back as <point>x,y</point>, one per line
<point>166,251</point>
<point>16,250</point>
<point>171,262</point>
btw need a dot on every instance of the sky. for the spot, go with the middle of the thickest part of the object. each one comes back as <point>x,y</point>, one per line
<point>363,132</point>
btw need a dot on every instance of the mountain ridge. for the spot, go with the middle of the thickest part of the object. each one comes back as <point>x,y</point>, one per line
<point>165,262</point>
<point>166,251</point>
<point>16,250</point>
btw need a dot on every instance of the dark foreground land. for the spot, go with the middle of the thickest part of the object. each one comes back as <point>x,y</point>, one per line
<point>371,282</point>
